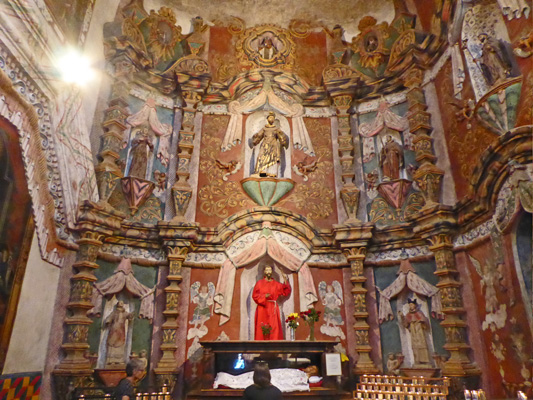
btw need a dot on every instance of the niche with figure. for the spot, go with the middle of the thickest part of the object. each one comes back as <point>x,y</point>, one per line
<point>264,153</point>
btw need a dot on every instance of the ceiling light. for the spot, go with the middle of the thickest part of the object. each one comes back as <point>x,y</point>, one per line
<point>75,68</point>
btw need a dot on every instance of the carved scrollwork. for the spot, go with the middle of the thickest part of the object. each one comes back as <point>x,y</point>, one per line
<point>192,64</point>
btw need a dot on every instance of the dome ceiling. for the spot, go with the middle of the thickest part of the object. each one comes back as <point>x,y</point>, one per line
<point>280,12</point>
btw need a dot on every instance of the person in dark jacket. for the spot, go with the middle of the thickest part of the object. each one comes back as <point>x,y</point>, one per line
<point>262,389</point>
<point>134,373</point>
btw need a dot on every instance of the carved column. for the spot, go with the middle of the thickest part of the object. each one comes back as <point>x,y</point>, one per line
<point>354,240</point>
<point>107,171</point>
<point>437,228</point>
<point>181,190</point>
<point>349,193</point>
<point>95,223</point>
<point>177,241</point>
<point>77,323</point>
<point>428,176</point>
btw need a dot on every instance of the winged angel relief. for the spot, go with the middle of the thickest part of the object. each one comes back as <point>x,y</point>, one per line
<point>331,297</point>
<point>202,296</point>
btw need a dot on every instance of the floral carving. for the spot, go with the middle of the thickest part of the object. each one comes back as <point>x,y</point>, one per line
<point>316,198</point>
<point>217,196</point>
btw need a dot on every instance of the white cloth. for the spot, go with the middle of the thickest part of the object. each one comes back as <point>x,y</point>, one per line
<point>514,8</point>
<point>122,279</point>
<point>407,277</point>
<point>458,69</point>
<point>285,379</point>
<point>385,118</point>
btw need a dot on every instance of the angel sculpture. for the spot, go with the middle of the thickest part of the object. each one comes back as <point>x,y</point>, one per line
<point>231,167</point>
<point>331,297</point>
<point>202,296</point>
<point>302,169</point>
<point>490,276</point>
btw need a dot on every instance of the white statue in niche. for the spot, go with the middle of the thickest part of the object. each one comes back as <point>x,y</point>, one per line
<point>117,323</point>
<point>331,297</point>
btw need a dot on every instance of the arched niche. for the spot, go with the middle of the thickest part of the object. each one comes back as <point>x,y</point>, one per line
<point>250,253</point>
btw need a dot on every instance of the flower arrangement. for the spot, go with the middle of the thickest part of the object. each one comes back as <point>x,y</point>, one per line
<point>266,329</point>
<point>310,316</point>
<point>291,320</point>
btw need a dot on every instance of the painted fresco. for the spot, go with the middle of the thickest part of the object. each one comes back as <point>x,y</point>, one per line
<point>73,17</point>
<point>465,137</point>
<point>506,333</point>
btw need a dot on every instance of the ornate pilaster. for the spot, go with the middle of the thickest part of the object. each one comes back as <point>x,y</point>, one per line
<point>349,192</point>
<point>107,171</point>
<point>428,176</point>
<point>354,240</point>
<point>181,190</point>
<point>437,228</point>
<point>95,223</point>
<point>177,241</point>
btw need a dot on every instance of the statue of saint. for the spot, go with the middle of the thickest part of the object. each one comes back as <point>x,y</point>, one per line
<point>271,140</point>
<point>391,159</point>
<point>494,62</point>
<point>266,293</point>
<point>267,50</point>
<point>116,335</point>
<point>142,149</point>
<point>418,325</point>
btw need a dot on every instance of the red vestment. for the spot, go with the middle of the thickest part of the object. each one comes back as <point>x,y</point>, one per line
<point>267,311</point>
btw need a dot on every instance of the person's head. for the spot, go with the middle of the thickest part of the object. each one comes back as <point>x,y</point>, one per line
<point>413,304</point>
<point>271,118</point>
<point>135,369</point>
<point>261,374</point>
<point>268,272</point>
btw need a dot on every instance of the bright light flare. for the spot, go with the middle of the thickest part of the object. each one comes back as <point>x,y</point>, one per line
<point>75,68</point>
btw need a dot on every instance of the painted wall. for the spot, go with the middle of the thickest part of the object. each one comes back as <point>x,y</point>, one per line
<point>31,331</point>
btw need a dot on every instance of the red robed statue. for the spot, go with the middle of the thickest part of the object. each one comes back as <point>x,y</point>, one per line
<point>266,293</point>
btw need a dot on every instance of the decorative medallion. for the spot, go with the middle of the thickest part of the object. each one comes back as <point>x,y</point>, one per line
<point>370,43</point>
<point>163,35</point>
<point>266,46</point>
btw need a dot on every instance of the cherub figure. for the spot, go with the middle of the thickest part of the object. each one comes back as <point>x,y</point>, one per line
<point>303,169</point>
<point>331,297</point>
<point>231,167</point>
<point>202,296</point>
<point>394,362</point>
